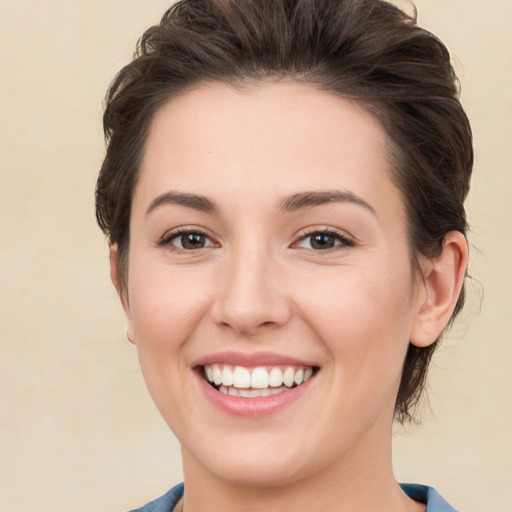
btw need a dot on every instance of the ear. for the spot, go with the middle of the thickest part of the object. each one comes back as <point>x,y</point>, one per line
<point>117,281</point>
<point>443,278</point>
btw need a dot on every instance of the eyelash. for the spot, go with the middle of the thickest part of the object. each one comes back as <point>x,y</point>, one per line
<point>170,237</point>
<point>340,240</point>
<point>337,236</point>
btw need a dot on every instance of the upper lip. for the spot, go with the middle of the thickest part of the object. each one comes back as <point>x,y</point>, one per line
<point>251,360</point>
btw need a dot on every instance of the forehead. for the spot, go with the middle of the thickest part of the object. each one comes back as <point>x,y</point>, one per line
<point>270,139</point>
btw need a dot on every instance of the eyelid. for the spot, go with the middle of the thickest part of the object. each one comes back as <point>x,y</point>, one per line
<point>345,239</point>
<point>171,235</point>
<point>341,236</point>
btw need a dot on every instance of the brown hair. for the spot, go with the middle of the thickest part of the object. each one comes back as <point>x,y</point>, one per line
<point>366,50</point>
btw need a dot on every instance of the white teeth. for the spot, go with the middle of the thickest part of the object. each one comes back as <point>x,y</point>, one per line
<point>259,378</point>
<point>289,376</point>
<point>217,374</point>
<point>251,393</point>
<point>233,391</point>
<point>275,377</point>
<point>232,380</point>
<point>241,377</point>
<point>299,376</point>
<point>227,376</point>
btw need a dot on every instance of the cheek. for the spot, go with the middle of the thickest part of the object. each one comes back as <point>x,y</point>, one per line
<point>166,305</point>
<point>361,315</point>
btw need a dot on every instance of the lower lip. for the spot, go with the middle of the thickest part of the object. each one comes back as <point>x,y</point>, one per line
<point>252,407</point>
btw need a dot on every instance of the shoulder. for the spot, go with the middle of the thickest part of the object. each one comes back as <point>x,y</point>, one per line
<point>435,502</point>
<point>165,503</point>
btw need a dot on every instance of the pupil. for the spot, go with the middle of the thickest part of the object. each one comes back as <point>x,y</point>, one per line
<point>192,241</point>
<point>322,242</point>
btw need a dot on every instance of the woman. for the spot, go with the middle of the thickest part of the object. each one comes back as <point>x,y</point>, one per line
<point>283,195</point>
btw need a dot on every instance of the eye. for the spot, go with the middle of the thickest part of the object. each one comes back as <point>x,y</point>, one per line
<point>324,240</point>
<point>188,240</point>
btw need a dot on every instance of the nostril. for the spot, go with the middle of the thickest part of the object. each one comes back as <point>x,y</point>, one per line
<point>225,325</point>
<point>247,329</point>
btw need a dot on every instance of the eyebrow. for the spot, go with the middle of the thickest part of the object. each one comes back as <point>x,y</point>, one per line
<point>304,200</point>
<point>197,202</point>
<point>299,201</point>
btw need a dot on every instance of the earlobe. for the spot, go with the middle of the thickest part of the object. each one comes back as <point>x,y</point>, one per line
<point>443,278</point>
<point>117,281</point>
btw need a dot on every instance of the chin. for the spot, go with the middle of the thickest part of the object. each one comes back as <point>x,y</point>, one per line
<point>247,474</point>
<point>251,462</point>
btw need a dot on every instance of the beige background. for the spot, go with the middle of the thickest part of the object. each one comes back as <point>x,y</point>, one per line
<point>77,428</point>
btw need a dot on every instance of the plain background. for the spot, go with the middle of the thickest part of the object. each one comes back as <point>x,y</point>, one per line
<point>78,430</point>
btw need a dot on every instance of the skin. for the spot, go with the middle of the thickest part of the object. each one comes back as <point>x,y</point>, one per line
<point>258,285</point>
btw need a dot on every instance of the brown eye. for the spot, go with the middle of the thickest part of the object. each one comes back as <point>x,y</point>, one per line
<point>324,240</point>
<point>188,240</point>
<point>192,240</point>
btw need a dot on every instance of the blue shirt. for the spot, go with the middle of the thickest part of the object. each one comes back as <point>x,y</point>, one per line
<point>428,495</point>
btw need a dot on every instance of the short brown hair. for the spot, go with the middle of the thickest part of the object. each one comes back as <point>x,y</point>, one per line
<point>366,50</point>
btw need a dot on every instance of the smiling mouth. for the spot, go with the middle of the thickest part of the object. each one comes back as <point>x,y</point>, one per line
<point>258,381</point>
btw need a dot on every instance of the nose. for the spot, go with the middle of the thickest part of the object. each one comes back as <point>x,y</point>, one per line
<point>250,297</point>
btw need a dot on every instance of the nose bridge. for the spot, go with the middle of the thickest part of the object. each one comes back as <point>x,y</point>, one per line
<point>250,297</point>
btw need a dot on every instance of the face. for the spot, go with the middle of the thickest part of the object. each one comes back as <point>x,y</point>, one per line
<point>268,254</point>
